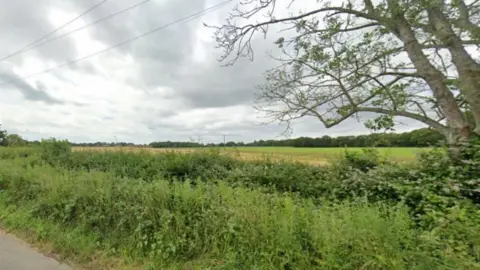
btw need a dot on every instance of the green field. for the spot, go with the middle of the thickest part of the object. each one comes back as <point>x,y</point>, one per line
<point>321,155</point>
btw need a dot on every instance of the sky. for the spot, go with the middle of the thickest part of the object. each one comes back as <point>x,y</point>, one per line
<point>165,86</point>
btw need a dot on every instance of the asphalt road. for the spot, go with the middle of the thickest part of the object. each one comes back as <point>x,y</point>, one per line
<point>18,255</point>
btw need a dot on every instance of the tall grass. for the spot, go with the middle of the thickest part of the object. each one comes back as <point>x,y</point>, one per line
<point>227,228</point>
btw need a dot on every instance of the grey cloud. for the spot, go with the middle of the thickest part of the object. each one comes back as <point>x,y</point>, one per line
<point>23,22</point>
<point>210,84</point>
<point>35,94</point>
<point>165,58</point>
<point>160,54</point>
<point>216,86</point>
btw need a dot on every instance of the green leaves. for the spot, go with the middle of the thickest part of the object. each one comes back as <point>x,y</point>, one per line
<point>280,42</point>
<point>55,151</point>
<point>345,110</point>
<point>382,122</point>
<point>14,140</point>
<point>300,25</point>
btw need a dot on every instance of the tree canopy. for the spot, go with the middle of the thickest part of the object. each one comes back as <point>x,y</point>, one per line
<point>14,140</point>
<point>395,58</point>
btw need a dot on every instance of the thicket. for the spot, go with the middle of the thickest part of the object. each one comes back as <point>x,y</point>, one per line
<point>202,207</point>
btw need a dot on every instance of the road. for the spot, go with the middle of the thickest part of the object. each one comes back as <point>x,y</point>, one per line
<point>18,255</point>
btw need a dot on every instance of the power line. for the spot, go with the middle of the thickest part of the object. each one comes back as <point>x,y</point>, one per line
<point>32,45</point>
<point>189,17</point>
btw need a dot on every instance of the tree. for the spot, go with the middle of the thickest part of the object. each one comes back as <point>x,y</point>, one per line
<point>395,58</point>
<point>3,134</point>
<point>14,140</point>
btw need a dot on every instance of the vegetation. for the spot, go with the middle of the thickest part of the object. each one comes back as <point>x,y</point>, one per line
<point>418,138</point>
<point>394,58</point>
<point>3,134</point>
<point>10,139</point>
<point>14,140</point>
<point>204,210</point>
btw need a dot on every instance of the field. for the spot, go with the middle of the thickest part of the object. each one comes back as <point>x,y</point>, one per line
<point>187,209</point>
<point>314,156</point>
<point>321,155</point>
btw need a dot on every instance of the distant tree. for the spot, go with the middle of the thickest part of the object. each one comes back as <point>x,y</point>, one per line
<point>405,58</point>
<point>14,140</point>
<point>231,144</point>
<point>3,135</point>
<point>169,144</point>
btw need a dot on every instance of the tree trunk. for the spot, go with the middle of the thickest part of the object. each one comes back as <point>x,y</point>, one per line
<point>458,126</point>
<point>468,69</point>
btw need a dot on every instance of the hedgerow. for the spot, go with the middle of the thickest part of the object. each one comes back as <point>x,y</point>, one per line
<point>187,207</point>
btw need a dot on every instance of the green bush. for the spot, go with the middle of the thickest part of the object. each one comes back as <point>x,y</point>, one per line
<point>364,160</point>
<point>55,151</point>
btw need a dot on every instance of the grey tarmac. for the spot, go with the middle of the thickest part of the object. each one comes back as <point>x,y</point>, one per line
<point>15,254</point>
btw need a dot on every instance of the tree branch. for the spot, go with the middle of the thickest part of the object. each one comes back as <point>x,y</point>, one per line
<point>436,125</point>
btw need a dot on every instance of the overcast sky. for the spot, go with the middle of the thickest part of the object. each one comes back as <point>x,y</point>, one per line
<point>165,86</point>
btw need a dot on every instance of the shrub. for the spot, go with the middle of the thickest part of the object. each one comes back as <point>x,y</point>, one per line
<point>55,151</point>
<point>364,160</point>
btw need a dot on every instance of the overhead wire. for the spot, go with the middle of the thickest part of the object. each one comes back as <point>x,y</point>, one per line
<point>34,43</point>
<point>32,46</point>
<point>186,18</point>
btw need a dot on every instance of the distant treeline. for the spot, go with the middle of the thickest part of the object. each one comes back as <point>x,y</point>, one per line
<point>417,138</point>
<point>104,144</point>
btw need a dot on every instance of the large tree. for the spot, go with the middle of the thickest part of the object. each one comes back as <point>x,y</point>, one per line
<point>14,140</point>
<point>407,58</point>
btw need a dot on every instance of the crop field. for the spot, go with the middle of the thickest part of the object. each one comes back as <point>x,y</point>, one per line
<point>204,209</point>
<point>314,156</point>
<point>322,155</point>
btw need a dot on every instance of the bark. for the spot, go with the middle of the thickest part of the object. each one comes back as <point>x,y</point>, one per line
<point>464,21</point>
<point>468,69</point>
<point>458,127</point>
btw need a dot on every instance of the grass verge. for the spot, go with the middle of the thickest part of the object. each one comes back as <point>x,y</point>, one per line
<point>72,246</point>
